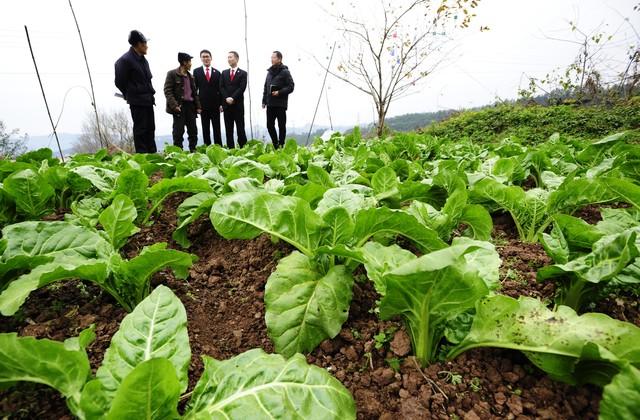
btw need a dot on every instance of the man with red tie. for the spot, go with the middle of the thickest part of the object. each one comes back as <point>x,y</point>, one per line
<point>208,87</point>
<point>233,83</point>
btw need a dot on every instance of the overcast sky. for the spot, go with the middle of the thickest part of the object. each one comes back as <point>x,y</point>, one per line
<point>479,68</point>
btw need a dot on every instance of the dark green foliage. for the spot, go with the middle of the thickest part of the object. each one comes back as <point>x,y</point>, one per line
<point>534,124</point>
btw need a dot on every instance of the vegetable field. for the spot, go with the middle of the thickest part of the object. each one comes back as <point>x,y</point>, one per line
<point>355,278</point>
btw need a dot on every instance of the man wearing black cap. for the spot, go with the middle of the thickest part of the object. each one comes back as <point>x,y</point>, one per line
<point>133,79</point>
<point>183,102</point>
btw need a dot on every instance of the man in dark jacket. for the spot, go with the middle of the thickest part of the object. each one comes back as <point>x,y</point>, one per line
<point>275,97</point>
<point>133,79</point>
<point>233,83</point>
<point>208,85</point>
<point>183,102</point>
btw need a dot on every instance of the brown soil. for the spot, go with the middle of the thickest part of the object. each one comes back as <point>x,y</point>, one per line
<point>224,302</point>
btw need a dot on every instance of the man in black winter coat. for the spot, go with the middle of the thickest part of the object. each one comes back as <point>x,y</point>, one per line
<point>208,85</point>
<point>133,79</point>
<point>277,87</point>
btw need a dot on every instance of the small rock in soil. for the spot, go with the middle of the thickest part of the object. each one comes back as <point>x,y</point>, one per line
<point>411,408</point>
<point>368,402</point>
<point>327,346</point>
<point>471,415</point>
<point>383,376</point>
<point>515,405</point>
<point>401,344</point>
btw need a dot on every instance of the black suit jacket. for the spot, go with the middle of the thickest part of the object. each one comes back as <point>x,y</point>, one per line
<point>234,89</point>
<point>209,92</point>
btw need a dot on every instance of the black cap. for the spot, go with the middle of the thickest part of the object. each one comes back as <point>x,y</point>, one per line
<point>135,37</point>
<point>183,57</point>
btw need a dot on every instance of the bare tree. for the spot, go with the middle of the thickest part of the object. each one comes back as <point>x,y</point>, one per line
<point>11,145</point>
<point>114,125</point>
<point>594,75</point>
<point>388,47</point>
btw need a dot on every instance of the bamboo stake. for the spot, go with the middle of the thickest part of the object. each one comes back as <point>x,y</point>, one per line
<point>46,104</point>
<point>333,50</point>
<point>103,141</point>
<point>246,47</point>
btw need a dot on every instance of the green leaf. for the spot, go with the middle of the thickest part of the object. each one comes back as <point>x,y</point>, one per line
<point>133,183</point>
<point>380,260</point>
<point>304,306</point>
<point>31,192</point>
<point>257,385</point>
<point>575,193</point>
<point>52,239</point>
<point>160,191</point>
<point>582,276</point>
<point>553,340</point>
<point>528,209</point>
<point>478,221</point>
<point>377,220</point>
<point>43,361</point>
<point>188,212</point>
<point>62,268</point>
<point>133,276</point>
<point>117,220</point>
<point>429,290</point>
<point>621,398</point>
<point>236,167</point>
<point>350,197</point>
<point>556,245</point>
<point>579,234</point>
<point>609,257</point>
<point>310,192</point>
<point>385,183</point>
<point>626,190</point>
<point>103,179</point>
<point>88,210</point>
<point>319,176</point>
<point>340,225</point>
<point>245,184</point>
<point>157,328</point>
<point>150,391</point>
<point>246,215</point>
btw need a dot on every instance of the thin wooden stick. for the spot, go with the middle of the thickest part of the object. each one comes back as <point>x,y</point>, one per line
<point>46,104</point>
<point>333,50</point>
<point>246,47</point>
<point>103,141</point>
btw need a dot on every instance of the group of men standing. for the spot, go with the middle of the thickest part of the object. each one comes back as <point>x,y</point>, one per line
<point>207,92</point>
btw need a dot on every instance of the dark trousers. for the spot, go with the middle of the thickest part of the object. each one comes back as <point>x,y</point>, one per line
<point>187,117</point>
<point>279,113</point>
<point>144,128</point>
<point>235,114</point>
<point>209,118</point>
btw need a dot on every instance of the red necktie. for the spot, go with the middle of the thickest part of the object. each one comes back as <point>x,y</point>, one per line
<point>208,75</point>
<point>233,74</point>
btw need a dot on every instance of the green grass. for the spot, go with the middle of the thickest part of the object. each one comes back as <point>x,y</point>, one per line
<point>534,124</point>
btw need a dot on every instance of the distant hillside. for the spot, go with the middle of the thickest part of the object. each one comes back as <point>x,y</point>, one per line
<point>410,122</point>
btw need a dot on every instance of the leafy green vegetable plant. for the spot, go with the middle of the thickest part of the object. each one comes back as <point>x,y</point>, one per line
<point>35,254</point>
<point>144,372</point>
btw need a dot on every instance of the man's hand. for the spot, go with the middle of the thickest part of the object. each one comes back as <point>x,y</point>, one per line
<point>275,93</point>
<point>178,109</point>
<point>230,100</point>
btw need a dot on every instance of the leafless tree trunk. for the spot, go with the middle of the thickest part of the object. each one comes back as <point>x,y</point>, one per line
<point>115,126</point>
